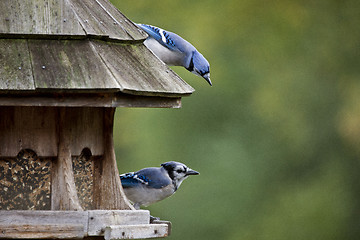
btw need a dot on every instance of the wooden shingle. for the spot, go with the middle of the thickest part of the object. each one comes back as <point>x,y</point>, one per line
<point>77,47</point>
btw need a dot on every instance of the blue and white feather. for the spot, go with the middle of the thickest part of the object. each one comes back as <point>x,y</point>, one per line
<point>176,51</point>
<point>151,185</point>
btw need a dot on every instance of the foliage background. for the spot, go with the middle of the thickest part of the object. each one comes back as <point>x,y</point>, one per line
<point>277,137</point>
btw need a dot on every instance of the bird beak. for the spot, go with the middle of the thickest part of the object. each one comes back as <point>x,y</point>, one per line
<point>192,172</point>
<point>207,78</point>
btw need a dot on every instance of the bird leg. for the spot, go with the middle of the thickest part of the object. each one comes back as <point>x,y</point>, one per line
<point>152,219</point>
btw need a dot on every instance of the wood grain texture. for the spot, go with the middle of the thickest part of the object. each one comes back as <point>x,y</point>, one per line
<point>89,100</point>
<point>45,231</point>
<point>84,129</point>
<point>40,217</point>
<point>28,128</point>
<point>69,65</point>
<point>43,17</point>
<point>107,180</point>
<point>36,128</point>
<point>78,46</point>
<point>15,65</point>
<point>100,18</point>
<point>64,195</point>
<point>140,72</point>
<point>100,219</point>
<point>135,231</point>
<point>85,65</point>
<point>111,224</point>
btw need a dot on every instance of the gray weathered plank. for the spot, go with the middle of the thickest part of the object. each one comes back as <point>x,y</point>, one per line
<point>140,72</point>
<point>90,100</point>
<point>63,189</point>
<point>23,217</point>
<point>136,231</point>
<point>51,17</point>
<point>15,66</point>
<point>36,128</point>
<point>84,129</point>
<point>100,18</point>
<point>122,21</point>
<point>69,64</point>
<point>106,177</point>
<point>28,127</point>
<point>99,219</point>
<point>46,231</point>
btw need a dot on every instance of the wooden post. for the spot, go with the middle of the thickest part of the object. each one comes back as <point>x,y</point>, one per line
<point>108,190</point>
<point>64,195</point>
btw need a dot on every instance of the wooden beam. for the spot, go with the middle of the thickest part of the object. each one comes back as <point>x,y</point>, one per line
<point>43,217</point>
<point>64,195</point>
<point>113,224</point>
<point>53,231</point>
<point>99,219</point>
<point>108,192</point>
<point>114,232</point>
<point>89,100</point>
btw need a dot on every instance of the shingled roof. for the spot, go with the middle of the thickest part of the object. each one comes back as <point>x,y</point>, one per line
<point>75,46</point>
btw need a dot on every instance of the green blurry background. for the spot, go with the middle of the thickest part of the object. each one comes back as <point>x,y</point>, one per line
<point>277,137</point>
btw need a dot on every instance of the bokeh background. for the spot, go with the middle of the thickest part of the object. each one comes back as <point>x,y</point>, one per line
<point>276,138</point>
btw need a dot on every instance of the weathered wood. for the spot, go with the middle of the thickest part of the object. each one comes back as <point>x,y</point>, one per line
<point>99,219</point>
<point>86,65</point>
<point>135,231</point>
<point>128,62</point>
<point>107,181</point>
<point>35,128</point>
<point>27,128</point>
<point>45,217</point>
<point>100,18</point>
<point>85,130</point>
<point>51,17</point>
<point>168,223</point>
<point>122,21</point>
<point>69,65</point>
<point>15,66</point>
<point>64,195</point>
<point>53,231</point>
<point>90,100</point>
<point>113,224</point>
<point>74,46</point>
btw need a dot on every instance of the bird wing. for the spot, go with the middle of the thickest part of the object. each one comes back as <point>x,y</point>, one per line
<point>163,37</point>
<point>131,180</point>
<point>149,177</point>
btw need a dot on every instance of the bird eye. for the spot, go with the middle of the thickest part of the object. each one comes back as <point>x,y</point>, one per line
<point>179,170</point>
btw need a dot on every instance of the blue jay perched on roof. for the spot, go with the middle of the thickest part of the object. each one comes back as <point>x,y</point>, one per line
<point>150,185</point>
<point>176,51</point>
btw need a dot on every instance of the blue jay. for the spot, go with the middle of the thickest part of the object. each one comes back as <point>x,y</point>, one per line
<point>150,185</point>
<point>176,51</point>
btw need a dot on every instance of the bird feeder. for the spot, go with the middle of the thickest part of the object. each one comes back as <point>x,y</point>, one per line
<point>65,66</point>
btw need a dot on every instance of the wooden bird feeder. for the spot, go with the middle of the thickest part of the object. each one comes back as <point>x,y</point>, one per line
<point>65,66</point>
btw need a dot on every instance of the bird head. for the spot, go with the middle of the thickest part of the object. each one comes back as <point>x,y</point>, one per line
<point>200,66</point>
<point>178,172</point>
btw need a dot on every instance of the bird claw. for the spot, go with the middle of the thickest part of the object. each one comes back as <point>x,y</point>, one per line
<point>152,219</point>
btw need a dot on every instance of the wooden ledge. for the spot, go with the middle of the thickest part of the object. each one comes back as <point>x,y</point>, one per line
<point>54,231</point>
<point>114,232</point>
<point>110,224</point>
<point>88,100</point>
